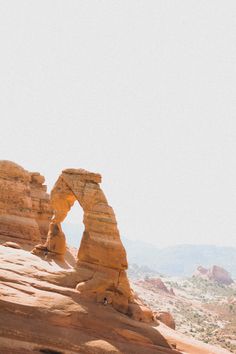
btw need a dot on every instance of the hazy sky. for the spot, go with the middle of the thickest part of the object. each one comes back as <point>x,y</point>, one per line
<point>143,92</point>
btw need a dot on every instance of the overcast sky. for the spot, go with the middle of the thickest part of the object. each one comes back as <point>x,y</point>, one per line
<point>143,92</point>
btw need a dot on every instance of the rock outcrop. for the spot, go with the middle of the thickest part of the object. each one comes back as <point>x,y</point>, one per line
<point>155,284</point>
<point>215,274</point>
<point>101,260</point>
<point>24,205</point>
<point>166,318</point>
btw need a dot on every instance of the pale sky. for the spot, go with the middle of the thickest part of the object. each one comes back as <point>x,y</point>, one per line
<point>143,92</point>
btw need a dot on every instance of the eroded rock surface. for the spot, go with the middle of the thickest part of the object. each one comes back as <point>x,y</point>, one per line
<point>24,204</point>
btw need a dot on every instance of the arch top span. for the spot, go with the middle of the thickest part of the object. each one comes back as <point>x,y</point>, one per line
<point>84,174</point>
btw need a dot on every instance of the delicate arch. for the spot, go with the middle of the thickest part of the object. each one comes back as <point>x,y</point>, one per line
<point>101,242</point>
<point>101,260</point>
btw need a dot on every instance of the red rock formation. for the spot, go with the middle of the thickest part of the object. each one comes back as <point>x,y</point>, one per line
<point>155,284</point>
<point>166,318</point>
<point>216,274</point>
<point>220,275</point>
<point>24,204</point>
<point>101,260</point>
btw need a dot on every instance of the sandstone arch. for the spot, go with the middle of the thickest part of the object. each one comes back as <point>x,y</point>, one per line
<point>101,242</point>
<point>101,260</point>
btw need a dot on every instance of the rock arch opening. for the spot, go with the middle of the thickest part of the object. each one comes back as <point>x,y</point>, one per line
<point>73,226</point>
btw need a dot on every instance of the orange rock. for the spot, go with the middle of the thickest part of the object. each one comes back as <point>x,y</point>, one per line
<point>139,312</point>
<point>166,318</point>
<point>133,336</point>
<point>24,204</point>
<point>56,242</point>
<point>40,202</point>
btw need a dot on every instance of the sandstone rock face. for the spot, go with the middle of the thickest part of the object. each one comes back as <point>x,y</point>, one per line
<point>101,259</point>
<point>166,318</point>
<point>216,274</point>
<point>24,204</point>
<point>40,203</point>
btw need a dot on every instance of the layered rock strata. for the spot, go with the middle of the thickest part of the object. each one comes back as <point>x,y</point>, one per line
<point>24,204</point>
<point>101,259</point>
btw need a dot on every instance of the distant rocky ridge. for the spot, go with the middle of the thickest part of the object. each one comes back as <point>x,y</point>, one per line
<point>215,273</point>
<point>180,260</point>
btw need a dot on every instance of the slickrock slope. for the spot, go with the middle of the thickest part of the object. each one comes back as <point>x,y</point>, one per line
<point>216,274</point>
<point>39,311</point>
<point>24,204</point>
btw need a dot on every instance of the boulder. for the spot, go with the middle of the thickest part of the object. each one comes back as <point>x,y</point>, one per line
<point>166,318</point>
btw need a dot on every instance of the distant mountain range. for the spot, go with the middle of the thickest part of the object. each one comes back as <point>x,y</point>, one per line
<point>180,260</point>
